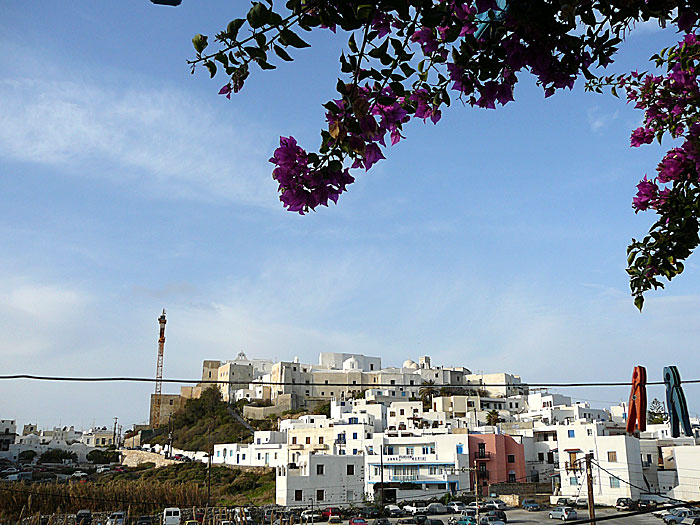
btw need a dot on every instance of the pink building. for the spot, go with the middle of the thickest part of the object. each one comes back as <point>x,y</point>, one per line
<point>497,458</point>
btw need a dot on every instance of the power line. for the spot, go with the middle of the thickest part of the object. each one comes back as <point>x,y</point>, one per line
<point>633,513</point>
<point>644,490</point>
<point>293,383</point>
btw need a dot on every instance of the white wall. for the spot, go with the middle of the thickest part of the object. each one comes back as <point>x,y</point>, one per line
<point>331,484</point>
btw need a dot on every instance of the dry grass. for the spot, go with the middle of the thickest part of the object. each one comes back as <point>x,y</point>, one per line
<point>139,491</point>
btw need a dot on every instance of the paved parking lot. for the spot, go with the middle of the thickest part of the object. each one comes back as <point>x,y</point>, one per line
<point>521,516</point>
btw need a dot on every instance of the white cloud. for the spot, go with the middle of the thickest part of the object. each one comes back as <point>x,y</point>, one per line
<point>597,120</point>
<point>162,140</point>
<point>33,316</point>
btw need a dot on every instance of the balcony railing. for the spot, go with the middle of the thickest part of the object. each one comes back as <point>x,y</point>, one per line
<point>404,477</point>
<point>482,454</point>
<point>573,466</point>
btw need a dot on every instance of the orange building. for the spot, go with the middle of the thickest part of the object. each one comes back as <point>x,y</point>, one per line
<point>496,458</point>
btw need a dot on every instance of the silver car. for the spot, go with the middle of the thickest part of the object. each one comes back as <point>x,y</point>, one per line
<point>563,513</point>
<point>117,518</point>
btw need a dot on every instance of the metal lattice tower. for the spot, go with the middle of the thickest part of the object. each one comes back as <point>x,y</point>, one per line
<point>159,372</point>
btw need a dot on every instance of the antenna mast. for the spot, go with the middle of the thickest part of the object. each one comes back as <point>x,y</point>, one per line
<point>159,372</point>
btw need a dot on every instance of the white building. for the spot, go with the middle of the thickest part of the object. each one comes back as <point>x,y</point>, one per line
<point>365,411</point>
<point>540,447</point>
<point>617,465</point>
<point>412,465</point>
<point>268,449</point>
<point>8,433</point>
<point>98,437</point>
<point>340,361</point>
<point>687,461</point>
<point>319,480</point>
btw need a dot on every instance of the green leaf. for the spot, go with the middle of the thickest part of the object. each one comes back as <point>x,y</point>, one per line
<point>280,52</point>
<point>211,66</point>
<point>258,15</point>
<point>290,38</point>
<point>234,26</point>
<point>340,87</point>
<point>255,52</point>
<point>352,44</point>
<point>222,58</point>
<point>639,302</point>
<point>200,42</point>
<point>364,11</point>
<point>266,65</point>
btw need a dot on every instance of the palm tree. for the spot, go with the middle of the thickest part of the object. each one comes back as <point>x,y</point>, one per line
<point>492,417</point>
<point>426,392</point>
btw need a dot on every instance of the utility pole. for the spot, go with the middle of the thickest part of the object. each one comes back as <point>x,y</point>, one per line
<point>589,481</point>
<point>381,474</point>
<point>114,433</point>
<point>476,490</point>
<point>170,436</point>
<point>209,452</point>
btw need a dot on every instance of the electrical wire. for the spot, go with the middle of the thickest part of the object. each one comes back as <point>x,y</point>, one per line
<point>293,383</point>
<point>626,515</point>
<point>644,490</point>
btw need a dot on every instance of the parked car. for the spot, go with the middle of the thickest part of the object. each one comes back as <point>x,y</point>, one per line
<point>433,521</point>
<point>171,516</point>
<point>330,511</point>
<point>102,469</point>
<point>646,504</point>
<point>117,518</point>
<point>678,515</point>
<point>415,509</point>
<point>625,504</point>
<point>369,512</point>
<point>437,508</point>
<point>466,520</point>
<point>381,521</point>
<point>409,520</point>
<point>530,505</point>
<point>563,513</point>
<point>145,520</point>
<point>393,511</point>
<point>456,506</point>
<point>496,504</point>
<point>83,517</point>
<point>481,505</point>
<point>490,520</point>
<point>565,502</point>
<point>357,521</point>
<point>334,520</point>
<point>501,515</point>
<point>309,516</point>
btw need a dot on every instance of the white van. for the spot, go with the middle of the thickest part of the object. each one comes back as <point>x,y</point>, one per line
<point>171,516</point>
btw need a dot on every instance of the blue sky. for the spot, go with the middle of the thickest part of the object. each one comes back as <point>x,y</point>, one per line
<point>494,240</point>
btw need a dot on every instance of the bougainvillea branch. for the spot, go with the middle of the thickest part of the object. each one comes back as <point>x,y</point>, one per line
<point>415,55</point>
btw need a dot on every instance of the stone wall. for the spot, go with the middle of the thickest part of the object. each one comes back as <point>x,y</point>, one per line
<point>133,458</point>
<point>283,403</point>
<point>513,494</point>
